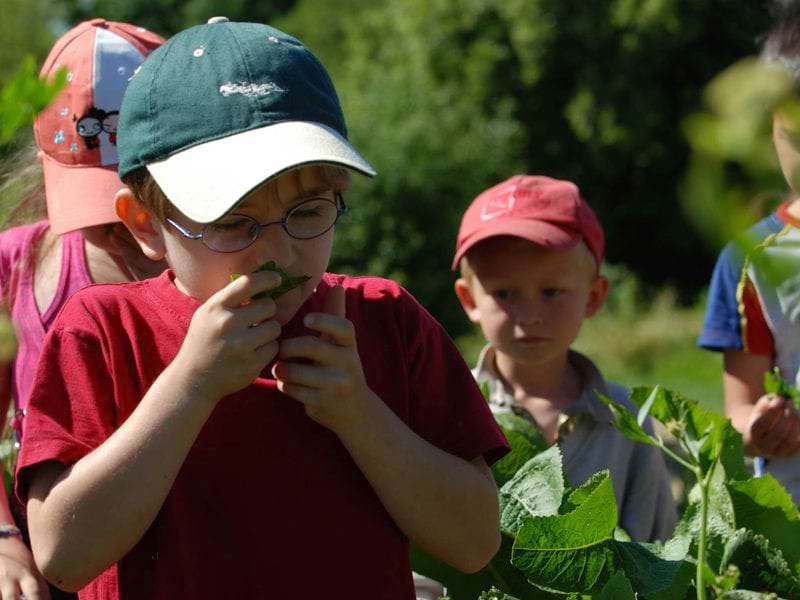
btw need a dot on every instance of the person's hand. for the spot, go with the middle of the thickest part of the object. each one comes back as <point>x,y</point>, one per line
<point>774,427</point>
<point>231,339</point>
<point>330,379</point>
<point>19,576</point>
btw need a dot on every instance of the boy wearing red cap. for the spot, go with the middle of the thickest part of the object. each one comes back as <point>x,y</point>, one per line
<point>529,250</point>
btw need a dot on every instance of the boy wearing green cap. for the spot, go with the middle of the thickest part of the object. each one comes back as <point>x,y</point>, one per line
<point>197,437</point>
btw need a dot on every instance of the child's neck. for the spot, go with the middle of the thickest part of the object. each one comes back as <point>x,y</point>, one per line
<point>555,381</point>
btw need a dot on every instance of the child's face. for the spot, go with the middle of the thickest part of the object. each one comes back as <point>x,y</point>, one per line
<point>530,301</point>
<point>786,137</point>
<point>201,272</point>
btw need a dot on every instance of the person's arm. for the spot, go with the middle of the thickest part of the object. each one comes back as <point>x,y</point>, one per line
<point>18,572</point>
<point>85,517</point>
<point>770,425</point>
<point>444,504</point>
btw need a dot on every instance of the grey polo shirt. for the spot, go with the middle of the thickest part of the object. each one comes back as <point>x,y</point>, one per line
<point>590,443</point>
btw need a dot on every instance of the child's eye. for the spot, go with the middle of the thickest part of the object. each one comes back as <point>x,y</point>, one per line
<point>503,294</point>
<point>551,292</point>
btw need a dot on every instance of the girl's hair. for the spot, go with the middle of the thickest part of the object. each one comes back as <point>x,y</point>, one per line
<point>22,198</point>
<point>781,44</point>
<point>148,192</point>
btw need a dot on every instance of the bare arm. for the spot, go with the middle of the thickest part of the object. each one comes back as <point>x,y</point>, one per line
<point>18,571</point>
<point>86,516</point>
<point>770,425</point>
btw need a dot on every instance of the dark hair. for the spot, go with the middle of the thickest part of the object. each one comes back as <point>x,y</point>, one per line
<point>781,44</point>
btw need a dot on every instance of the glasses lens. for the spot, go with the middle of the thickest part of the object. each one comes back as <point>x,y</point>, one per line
<point>233,233</point>
<point>311,218</point>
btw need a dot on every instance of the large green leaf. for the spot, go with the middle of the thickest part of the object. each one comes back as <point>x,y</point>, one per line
<point>526,442</point>
<point>571,552</point>
<point>617,588</point>
<point>762,566</point>
<point>708,434</point>
<point>657,571</point>
<point>762,505</point>
<point>535,491</point>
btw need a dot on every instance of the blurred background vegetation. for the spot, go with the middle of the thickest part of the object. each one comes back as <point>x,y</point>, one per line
<point>447,97</point>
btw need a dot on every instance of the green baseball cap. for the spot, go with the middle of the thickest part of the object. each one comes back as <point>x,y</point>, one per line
<point>223,107</point>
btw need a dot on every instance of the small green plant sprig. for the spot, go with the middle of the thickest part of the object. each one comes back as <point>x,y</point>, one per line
<point>287,281</point>
<point>775,384</point>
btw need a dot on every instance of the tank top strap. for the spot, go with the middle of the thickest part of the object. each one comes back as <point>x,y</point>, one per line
<point>74,274</point>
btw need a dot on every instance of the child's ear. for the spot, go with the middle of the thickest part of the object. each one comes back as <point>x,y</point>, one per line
<point>597,295</point>
<point>141,223</point>
<point>464,295</point>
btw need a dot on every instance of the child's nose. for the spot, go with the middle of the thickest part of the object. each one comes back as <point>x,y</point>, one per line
<point>273,243</point>
<point>529,313</point>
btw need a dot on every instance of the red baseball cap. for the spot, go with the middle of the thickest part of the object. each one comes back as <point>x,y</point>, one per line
<point>546,211</point>
<point>77,132</point>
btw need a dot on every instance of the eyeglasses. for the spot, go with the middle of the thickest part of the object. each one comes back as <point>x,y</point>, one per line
<point>235,232</point>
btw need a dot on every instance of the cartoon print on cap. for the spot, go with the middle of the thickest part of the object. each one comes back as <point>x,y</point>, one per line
<point>93,122</point>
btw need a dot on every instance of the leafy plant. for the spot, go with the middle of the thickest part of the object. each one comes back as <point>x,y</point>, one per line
<point>737,537</point>
<point>775,384</point>
<point>24,96</point>
<point>288,282</point>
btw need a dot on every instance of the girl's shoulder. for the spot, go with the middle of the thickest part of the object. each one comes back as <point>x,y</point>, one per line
<point>20,238</point>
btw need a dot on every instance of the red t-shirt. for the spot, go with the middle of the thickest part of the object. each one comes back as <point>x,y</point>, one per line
<point>268,503</point>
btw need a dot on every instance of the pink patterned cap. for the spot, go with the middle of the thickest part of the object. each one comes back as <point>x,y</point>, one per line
<point>77,132</point>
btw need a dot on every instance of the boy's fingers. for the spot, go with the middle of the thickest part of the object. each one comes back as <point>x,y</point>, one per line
<point>310,376</point>
<point>334,328</point>
<point>307,346</point>
<point>245,287</point>
<point>334,302</point>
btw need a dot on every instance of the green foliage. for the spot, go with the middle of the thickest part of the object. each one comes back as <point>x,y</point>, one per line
<point>24,96</point>
<point>170,16</point>
<point>288,282</point>
<point>775,384</point>
<point>737,537</point>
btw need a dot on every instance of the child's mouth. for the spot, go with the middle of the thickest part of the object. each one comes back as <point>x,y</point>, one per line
<point>288,282</point>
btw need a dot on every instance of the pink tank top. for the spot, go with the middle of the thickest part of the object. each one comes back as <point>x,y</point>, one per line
<point>16,286</point>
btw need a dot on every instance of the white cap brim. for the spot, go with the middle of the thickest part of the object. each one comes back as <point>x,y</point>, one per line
<point>204,182</point>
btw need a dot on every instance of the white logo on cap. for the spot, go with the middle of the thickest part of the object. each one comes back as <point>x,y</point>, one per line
<point>495,207</point>
<point>249,89</point>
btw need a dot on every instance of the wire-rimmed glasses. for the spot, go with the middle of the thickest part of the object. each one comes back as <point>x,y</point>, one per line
<point>234,232</point>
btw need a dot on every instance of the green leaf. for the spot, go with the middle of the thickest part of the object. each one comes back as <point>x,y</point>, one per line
<point>626,422</point>
<point>571,552</point>
<point>535,491</point>
<point>709,435</point>
<point>657,571</point>
<point>617,588</point>
<point>25,95</point>
<point>526,442</point>
<point>775,384</point>
<point>287,281</point>
<point>763,506</point>
<point>762,566</point>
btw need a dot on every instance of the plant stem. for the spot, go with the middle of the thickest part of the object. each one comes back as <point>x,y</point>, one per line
<point>677,458</point>
<point>701,542</point>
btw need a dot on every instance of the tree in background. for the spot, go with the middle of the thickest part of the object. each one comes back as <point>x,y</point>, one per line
<point>447,97</point>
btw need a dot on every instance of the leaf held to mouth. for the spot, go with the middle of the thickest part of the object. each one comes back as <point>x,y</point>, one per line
<point>287,281</point>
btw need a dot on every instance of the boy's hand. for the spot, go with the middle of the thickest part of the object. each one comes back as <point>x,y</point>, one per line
<point>774,427</point>
<point>231,339</point>
<point>332,388</point>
